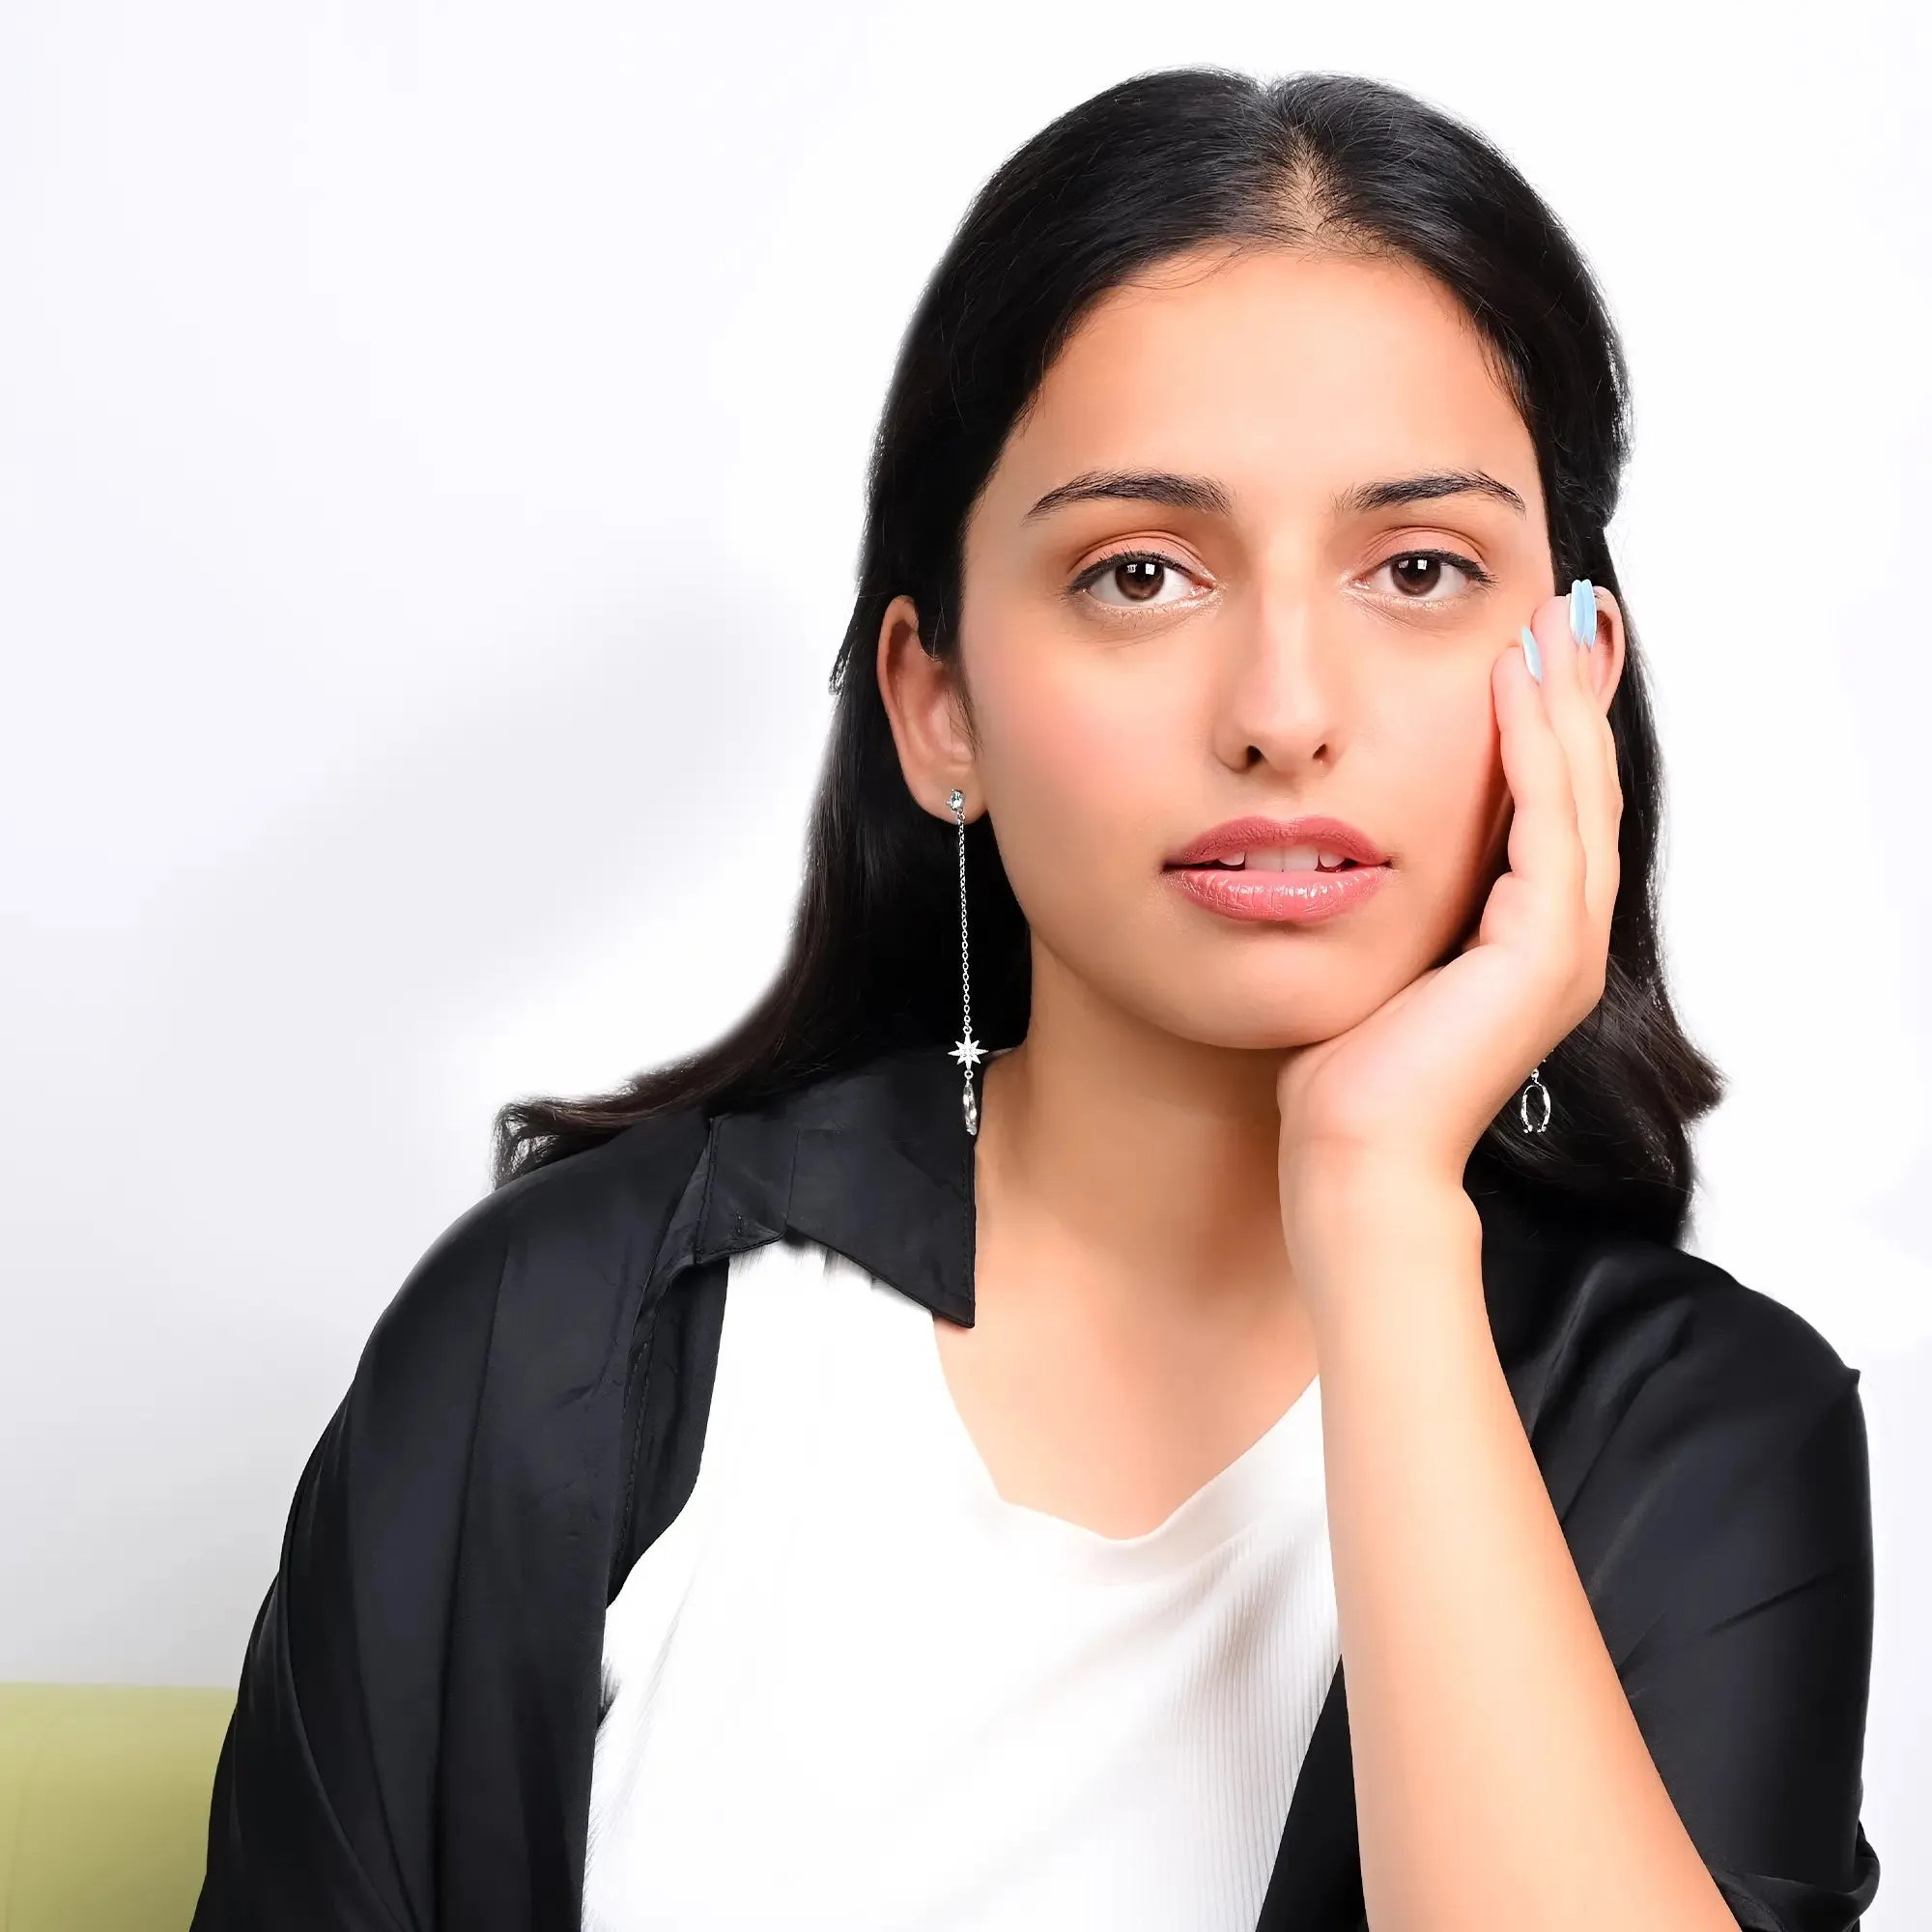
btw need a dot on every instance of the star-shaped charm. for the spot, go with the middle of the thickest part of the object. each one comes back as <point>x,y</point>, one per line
<point>969,1052</point>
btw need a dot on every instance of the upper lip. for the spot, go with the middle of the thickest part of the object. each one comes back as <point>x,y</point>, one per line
<point>1259,835</point>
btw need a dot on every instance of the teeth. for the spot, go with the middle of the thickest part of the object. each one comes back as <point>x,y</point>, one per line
<point>1284,858</point>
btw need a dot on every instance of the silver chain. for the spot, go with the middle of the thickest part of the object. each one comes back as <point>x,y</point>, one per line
<point>968,1052</point>
<point>957,802</point>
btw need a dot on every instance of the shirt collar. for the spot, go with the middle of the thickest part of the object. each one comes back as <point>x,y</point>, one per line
<point>875,1163</point>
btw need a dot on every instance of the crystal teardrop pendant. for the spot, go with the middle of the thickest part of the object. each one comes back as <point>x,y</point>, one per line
<point>969,1052</point>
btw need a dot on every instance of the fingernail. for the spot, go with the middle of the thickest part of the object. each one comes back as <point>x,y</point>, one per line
<point>1532,656</point>
<point>1583,612</point>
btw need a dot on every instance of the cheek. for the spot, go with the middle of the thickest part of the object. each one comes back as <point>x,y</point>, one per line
<point>1448,773</point>
<point>1072,759</point>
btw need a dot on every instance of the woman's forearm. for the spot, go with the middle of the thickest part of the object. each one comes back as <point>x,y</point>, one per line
<point>1501,1780</point>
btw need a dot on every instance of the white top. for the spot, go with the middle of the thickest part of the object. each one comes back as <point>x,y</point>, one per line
<point>851,1686</point>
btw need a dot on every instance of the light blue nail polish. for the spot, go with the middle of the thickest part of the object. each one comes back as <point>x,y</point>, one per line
<point>1583,612</point>
<point>1532,655</point>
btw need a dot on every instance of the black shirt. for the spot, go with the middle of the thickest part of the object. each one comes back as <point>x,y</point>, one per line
<point>412,1736</point>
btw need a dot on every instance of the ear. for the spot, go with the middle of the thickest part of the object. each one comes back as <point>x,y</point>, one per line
<point>1602,664</point>
<point>926,711</point>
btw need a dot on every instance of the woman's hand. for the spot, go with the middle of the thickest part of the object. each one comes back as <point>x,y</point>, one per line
<point>1409,1090</point>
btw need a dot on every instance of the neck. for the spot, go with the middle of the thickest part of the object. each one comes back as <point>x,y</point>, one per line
<point>1144,1165</point>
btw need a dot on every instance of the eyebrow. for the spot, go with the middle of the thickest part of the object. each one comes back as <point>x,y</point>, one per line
<point>1400,490</point>
<point>1141,485</point>
<point>1204,494</point>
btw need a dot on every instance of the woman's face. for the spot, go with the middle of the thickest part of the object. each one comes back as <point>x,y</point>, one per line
<point>1253,551</point>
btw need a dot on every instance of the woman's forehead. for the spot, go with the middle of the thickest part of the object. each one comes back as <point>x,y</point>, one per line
<point>1281,372</point>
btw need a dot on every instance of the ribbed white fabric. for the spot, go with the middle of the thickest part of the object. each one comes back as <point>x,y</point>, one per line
<point>852,1685</point>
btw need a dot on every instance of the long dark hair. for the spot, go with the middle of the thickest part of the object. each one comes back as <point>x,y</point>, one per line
<point>1147,169</point>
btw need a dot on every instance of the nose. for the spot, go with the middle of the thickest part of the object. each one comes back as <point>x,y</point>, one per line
<point>1283,696</point>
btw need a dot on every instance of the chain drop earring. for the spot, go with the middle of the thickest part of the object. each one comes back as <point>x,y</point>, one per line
<point>1533,1089</point>
<point>969,1052</point>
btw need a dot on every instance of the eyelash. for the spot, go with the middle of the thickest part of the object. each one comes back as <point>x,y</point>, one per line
<point>1094,572</point>
<point>1467,565</point>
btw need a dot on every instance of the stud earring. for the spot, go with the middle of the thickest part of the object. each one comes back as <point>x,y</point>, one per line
<point>1533,1089</point>
<point>969,1052</point>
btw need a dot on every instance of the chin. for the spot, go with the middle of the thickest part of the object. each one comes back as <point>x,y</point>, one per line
<point>1275,1019</point>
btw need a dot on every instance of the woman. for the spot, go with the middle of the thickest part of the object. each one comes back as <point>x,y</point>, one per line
<point>848,1478</point>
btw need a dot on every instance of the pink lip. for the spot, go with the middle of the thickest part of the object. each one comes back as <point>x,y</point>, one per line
<point>1287,898</point>
<point>1243,835</point>
<point>1297,898</point>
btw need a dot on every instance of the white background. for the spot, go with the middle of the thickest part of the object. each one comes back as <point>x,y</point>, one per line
<point>412,418</point>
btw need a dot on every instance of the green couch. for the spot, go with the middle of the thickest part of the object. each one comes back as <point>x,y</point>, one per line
<point>104,1804</point>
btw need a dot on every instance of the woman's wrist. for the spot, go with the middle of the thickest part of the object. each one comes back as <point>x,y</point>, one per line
<point>1366,1229</point>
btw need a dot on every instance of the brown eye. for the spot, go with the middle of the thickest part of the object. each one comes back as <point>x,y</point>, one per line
<point>1134,579</point>
<point>1429,576</point>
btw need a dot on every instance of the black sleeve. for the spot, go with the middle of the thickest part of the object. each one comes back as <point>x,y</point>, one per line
<point>323,1808</point>
<point>1737,1597</point>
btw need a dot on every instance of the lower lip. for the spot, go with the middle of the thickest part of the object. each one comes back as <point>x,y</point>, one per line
<point>1279,899</point>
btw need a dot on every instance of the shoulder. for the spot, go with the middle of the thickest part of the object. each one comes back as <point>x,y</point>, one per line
<point>1648,1322</point>
<point>559,1247</point>
<point>1591,1319</point>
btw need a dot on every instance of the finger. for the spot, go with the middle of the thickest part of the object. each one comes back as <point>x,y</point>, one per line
<point>1545,849</point>
<point>1576,717</point>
